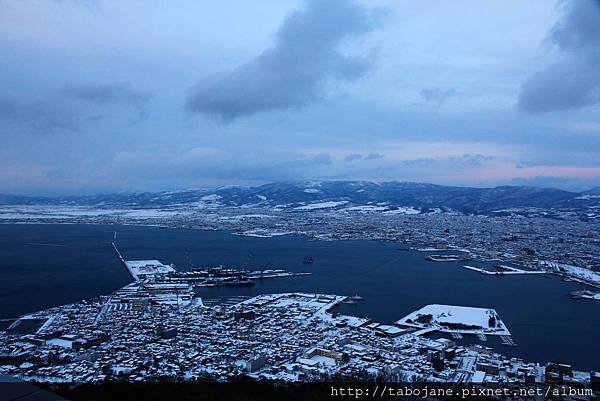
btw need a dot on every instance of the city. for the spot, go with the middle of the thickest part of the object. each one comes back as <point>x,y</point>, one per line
<point>157,328</point>
<point>299,200</point>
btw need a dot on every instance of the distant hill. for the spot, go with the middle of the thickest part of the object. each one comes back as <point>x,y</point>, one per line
<point>315,195</point>
<point>593,191</point>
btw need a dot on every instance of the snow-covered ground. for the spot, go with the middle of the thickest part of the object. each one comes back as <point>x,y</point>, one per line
<point>150,213</point>
<point>212,197</point>
<point>403,210</point>
<point>321,205</point>
<point>73,212</point>
<point>573,271</point>
<point>366,208</point>
<point>449,318</point>
<point>144,268</point>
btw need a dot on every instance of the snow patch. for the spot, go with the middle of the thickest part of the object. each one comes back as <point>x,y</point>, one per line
<point>403,210</point>
<point>366,208</point>
<point>321,205</point>
<point>211,197</point>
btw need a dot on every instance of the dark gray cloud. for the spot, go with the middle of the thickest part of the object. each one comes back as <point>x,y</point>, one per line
<point>305,61</point>
<point>574,81</point>
<point>467,159</point>
<point>471,160</point>
<point>352,157</point>
<point>437,96</point>
<point>69,110</point>
<point>105,94</point>
<point>357,156</point>
<point>424,161</point>
<point>579,27</point>
<point>114,92</point>
<point>373,156</point>
<point>568,84</point>
<point>36,116</point>
<point>322,159</point>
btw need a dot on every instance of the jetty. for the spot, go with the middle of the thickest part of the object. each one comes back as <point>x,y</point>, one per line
<point>506,270</point>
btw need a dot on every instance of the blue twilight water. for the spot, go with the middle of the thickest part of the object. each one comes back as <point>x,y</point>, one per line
<point>48,265</point>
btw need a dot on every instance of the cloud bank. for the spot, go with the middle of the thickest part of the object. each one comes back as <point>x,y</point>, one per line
<point>69,109</point>
<point>298,70</point>
<point>35,116</point>
<point>574,81</point>
<point>114,92</point>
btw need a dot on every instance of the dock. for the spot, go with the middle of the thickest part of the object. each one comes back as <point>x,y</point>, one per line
<point>508,270</point>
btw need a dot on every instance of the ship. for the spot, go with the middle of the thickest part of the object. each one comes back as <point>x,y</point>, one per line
<point>237,283</point>
<point>308,260</point>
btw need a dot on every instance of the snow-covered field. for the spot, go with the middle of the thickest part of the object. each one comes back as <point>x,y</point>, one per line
<point>403,210</point>
<point>212,197</point>
<point>366,208</point>
<point>321,205</point>
<point>459,319</point>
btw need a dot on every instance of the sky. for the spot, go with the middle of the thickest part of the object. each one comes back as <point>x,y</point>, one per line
<point>102,96</point>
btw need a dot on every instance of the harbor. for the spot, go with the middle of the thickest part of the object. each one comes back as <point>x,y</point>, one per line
<point>158,274</point>
<point>392,283</point>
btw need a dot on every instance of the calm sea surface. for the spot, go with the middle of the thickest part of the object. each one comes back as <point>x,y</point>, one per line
<point>48,265</point>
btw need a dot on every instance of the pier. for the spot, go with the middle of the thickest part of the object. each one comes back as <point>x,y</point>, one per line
<point>211,277</point>
<point>508,270</point>
<point>123,260</point>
